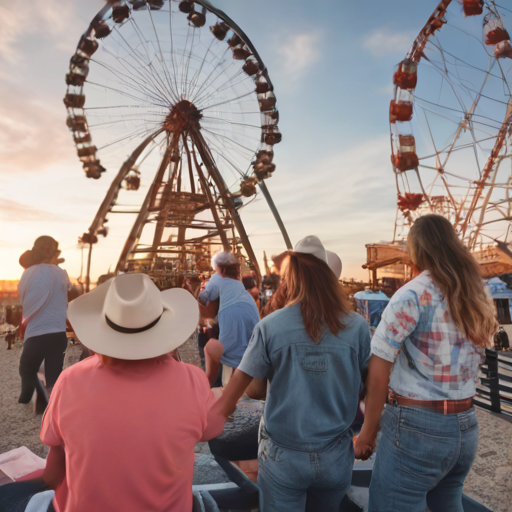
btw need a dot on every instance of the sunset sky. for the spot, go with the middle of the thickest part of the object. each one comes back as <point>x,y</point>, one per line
<point>331,63</point>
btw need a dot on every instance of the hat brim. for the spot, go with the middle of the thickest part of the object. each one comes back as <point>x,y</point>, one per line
<point>177,323</point>
<point>334,262</point>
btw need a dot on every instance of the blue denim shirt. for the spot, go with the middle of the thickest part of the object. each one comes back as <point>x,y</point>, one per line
<point>230,292</point>
<point>314,387</point>
<point>238,314</point>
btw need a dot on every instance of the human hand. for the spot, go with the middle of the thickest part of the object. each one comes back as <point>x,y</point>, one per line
<point>365,446</point>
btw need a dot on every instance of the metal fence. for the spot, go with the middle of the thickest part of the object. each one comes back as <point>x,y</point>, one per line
<point>494,387</point>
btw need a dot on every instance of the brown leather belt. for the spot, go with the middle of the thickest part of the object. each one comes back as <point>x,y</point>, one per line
<point>440,406</point>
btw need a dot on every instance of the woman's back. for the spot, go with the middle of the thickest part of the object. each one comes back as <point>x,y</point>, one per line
<point>43,295</point>
<point>314,390</point>
<point>437,360</point>
<point>128,433</point>
<point>426,351</point>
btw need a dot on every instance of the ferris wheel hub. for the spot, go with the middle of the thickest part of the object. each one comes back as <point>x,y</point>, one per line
<point>184,116</point>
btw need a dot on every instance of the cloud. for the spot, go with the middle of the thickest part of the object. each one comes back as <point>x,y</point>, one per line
<point>32,116</point>
<point>299,52</point>
<point>363,170</point>
<point>386,90</point>
<point>8,4</point>
<point>5,244</point>
<point>347,198</point>
<point>388,41</point>
<point>48,19</point>
<point>33,131</point>
<point>13,211</point>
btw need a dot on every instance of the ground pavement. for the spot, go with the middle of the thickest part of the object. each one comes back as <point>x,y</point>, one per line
<point>489,482</point>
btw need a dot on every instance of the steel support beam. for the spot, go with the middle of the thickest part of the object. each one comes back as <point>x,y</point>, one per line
<point>204,185</point>
<point>214,172</point>
<point>273,209</point>
<point>116,184</point>
<point>136,230</point>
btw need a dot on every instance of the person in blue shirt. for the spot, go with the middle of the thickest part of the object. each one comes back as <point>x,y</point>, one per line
<point>237,315</point>
<point>313,351</point>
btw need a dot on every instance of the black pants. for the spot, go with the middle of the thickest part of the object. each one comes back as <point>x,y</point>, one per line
<point>202,339</point>
<point>49,348</point>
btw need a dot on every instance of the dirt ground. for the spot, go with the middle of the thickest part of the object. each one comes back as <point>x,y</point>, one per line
<point>489,482</point>
<point>490,478</point>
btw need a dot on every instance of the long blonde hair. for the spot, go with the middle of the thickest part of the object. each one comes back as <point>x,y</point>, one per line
<point>433,245</point>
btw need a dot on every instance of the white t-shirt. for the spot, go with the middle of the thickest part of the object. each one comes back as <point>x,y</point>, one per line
<point>43,291</point>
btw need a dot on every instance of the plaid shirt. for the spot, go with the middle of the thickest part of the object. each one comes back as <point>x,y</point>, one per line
<point>433,360</point>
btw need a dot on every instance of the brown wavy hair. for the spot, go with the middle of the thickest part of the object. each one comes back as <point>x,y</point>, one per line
<point>45,248</point>
<point>308,280</point>
<point>433,245</point>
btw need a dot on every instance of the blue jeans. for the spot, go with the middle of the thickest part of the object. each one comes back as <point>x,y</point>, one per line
<point>16,496</point>
<point>422,459</point>
<point>294,481</point>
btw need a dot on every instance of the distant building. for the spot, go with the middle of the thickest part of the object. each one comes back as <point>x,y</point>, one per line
<point>388,259</point>
<point>8,293</point>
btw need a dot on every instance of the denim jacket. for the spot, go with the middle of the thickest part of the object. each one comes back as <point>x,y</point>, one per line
<point>314,387</point>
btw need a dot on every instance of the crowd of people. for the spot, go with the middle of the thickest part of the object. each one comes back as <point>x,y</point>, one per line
<point>121,425</point>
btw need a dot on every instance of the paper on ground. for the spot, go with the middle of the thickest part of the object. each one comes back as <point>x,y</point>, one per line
<point>20,462</point>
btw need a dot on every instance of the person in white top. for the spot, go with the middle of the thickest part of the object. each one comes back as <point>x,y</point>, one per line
<point>43,294</point>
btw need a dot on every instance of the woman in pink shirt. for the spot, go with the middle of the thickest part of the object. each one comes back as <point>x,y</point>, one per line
<point>122,424</point>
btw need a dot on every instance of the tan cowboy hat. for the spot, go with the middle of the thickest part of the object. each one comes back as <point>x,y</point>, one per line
<point>128,317</point>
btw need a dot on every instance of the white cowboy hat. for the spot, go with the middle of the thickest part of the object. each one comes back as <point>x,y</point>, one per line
<point>127,317</point>
<point>334,262</point>
<point>312,245</point>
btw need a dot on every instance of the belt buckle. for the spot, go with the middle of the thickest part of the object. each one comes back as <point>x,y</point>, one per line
<point>392,399</point>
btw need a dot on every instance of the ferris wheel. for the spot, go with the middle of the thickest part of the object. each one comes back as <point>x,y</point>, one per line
<point>450,122</point>
<point>173,90</point>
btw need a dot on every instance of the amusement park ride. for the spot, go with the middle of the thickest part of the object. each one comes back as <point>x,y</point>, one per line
<point>179,101</point>
<point>451,133</point>
<point>179,89</point>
